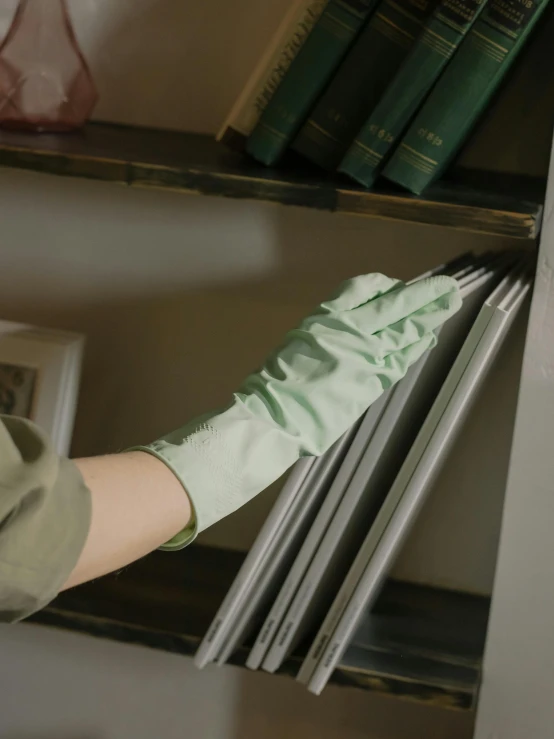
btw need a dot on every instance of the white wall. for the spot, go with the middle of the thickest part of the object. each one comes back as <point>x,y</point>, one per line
<point>179,298</point>
<point>516,698</point>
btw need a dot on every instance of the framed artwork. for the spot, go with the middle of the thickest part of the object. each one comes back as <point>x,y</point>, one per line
<point>39,378</point>
<point>17,387</point>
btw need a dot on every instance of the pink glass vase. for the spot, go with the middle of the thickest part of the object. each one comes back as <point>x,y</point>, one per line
<point>45,83</point>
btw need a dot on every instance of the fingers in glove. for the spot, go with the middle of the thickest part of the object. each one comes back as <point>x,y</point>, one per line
<point>359,291</point>
<point>425,304</point>
<point>344,338</point>
<point>344,403</point>
<point>397,363</point>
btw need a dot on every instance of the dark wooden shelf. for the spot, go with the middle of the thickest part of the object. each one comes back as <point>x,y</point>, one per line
<point>419,643</point>
<point>477,202</point>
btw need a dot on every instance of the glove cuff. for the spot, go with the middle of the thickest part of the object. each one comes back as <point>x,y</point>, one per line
<point>205,455</point>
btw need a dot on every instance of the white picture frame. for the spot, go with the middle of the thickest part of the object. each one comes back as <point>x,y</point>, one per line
<point>39,378</point>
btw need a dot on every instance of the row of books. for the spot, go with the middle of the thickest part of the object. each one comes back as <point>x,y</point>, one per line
<point>322,555</point>
<point>379,87</point>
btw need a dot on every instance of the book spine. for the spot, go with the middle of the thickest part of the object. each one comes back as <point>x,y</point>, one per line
<point>462,92</point>
<point>361,80</point>
<point>307,76</point>
<point>283,48</point>
<point>440,38</point>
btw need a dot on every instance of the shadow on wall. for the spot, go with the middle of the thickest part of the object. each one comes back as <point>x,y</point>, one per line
<point>515,134</point>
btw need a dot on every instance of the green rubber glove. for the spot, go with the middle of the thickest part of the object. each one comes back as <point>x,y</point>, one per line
<point>310,391</point>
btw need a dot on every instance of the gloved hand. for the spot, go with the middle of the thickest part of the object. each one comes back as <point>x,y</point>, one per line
<point>311,390</point>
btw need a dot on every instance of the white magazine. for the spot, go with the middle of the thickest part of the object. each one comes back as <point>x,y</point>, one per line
<point>414,480</point>
<point>342,535</point>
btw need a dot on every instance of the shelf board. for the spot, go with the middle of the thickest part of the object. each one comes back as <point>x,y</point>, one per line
<point>419,643</point>
<point>479,202</point>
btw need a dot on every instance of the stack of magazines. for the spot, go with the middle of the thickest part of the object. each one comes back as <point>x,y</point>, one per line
<point>327,546</point>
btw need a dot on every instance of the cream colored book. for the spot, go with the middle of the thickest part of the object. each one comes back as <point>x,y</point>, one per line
<point>284,46</point>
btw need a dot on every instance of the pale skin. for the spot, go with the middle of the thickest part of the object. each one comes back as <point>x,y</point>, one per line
<point>137,505</point>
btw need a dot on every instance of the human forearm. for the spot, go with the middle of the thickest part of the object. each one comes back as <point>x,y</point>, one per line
<point>137,505</point>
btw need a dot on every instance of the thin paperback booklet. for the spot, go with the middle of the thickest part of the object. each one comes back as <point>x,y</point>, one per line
<point>414,480</point>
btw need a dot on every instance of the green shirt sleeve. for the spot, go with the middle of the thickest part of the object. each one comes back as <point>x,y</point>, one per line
<point>45,511</point>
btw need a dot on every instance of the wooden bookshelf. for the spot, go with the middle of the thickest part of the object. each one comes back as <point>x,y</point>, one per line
<point>419,643</point>
<point>192,163</point>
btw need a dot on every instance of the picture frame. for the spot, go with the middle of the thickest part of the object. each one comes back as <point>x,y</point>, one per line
<point>39,378</point>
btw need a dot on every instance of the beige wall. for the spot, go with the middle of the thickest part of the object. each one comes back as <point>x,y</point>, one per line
<point>179,297</point>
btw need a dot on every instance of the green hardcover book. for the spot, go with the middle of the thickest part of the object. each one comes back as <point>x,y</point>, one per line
<point>307,77</point>
<point>462,92</point>
<point>360,80</point>
<point>440,38</point>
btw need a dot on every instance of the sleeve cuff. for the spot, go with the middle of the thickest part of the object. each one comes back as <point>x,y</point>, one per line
<point>45,513</point>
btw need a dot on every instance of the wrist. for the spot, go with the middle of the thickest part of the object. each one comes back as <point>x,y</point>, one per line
<point>205,456</point>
